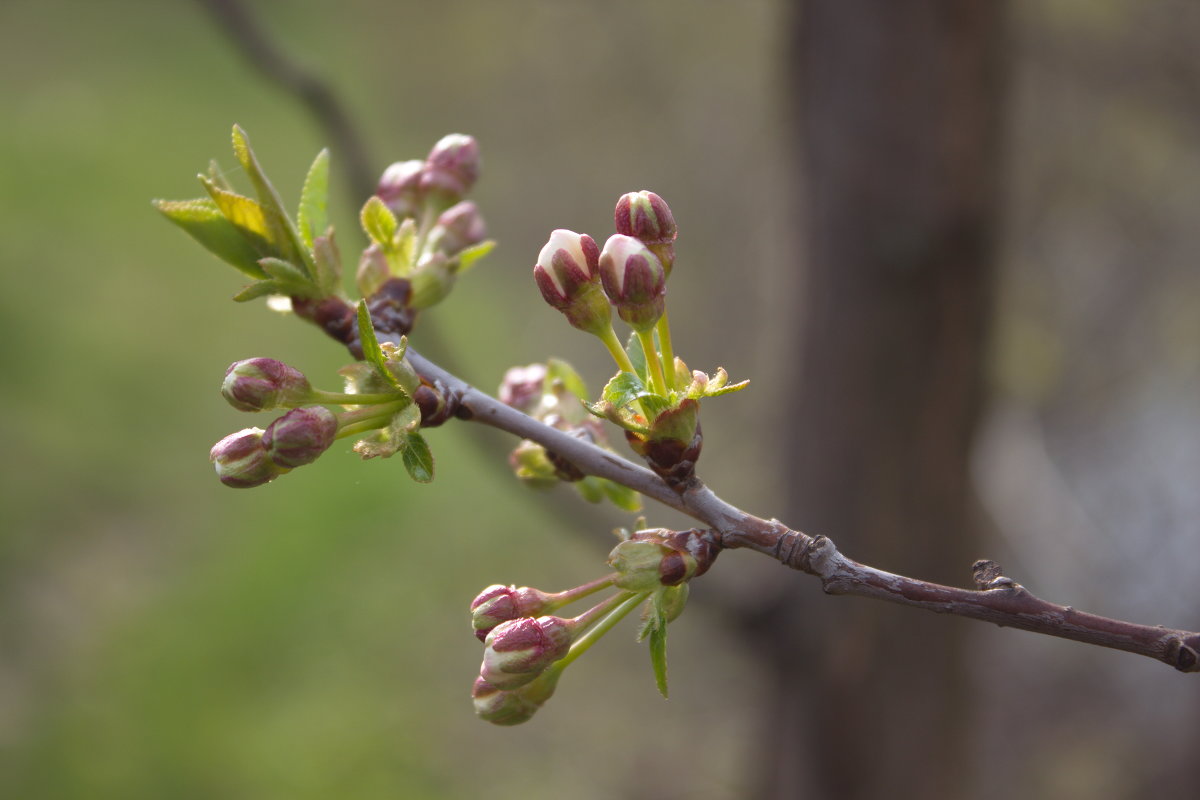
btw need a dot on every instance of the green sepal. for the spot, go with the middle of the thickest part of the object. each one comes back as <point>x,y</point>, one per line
<point>203,221</point>
<point>559,371</point>
<point>470,256</point>
<point>418,459</point>
<point>312,216</point>
<point>380,224</point>
<point>372,353</point>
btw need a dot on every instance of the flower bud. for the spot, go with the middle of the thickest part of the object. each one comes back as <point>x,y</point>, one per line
<point>242,461</point>
<point>567,274</point>
<point>497,604</point>
<point>460,226</point>
<point>501,707</point>
<point>645,216</point>
<point>300,436</point>
<point>260,384</point>
<point>518,650</point>
<point>532,466</point>
<point>452,167</point>
<point>400,187</point>
<point>634,281</point>
<point>522,387</point>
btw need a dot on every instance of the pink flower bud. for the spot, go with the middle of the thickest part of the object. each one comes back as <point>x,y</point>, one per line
<point>460,226</point>
<point>634,281</point>
<point>519,650</point>
<point>242,461</point>
<point>400,187</point>
<point>522,387</point>
<point>497,604</point>
<point>452,167</point>
<point>300,436</point>
<point>567,274</point>
<point>646,217</point>
<point>260,384</point>
<point>501,707</point>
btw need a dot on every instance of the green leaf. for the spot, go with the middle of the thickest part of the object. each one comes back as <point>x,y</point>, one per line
<point>471,255</point>
<point>658,657</point>
<point>258,289</point>
<point>312,216</point>
<point>379,223</point>
<point>621,496</point>
<point>418,459</point>
<point>284,231</point>
<point>623,390</point>
<point>250,218</point>
<point>728,389</point>
<point>589,489</point>
<point>291,279</point>
<point>559,370</point>
<point>203,221</point>
<point>372,353</point>
<point>403,260</point>
<point>633,348</point>
<point>217,176</point>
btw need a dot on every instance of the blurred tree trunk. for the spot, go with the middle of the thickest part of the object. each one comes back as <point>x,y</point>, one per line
<point>899,125</point>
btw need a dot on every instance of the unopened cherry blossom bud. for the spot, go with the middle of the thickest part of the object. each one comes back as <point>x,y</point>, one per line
<point>647,217</point>
<point>300,436</point>
<point>242,461</point>
<point>497,604</point>
<point>567,274</point>
<point>659,557</point>
<point>522,387</point>
<point>400,187</point>
<point>634,281</point>
<point>459,227</point>
<point>512,707</point>
<point>518,650</point>
<point>452,167</point>
<point>260,384</point>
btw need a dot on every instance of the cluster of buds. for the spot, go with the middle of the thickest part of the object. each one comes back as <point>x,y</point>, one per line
<point>423,231</point>
<point>656,398</point>
<point>254,456</point>
<point>554,394</point>
<point>526,648</point>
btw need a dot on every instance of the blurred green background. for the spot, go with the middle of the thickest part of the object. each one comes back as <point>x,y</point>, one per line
<point>161,635</point>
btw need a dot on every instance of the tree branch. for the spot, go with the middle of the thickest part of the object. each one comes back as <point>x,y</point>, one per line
<point>996,599</point>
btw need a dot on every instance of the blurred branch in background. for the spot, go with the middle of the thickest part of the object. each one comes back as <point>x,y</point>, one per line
<point>254,43</point>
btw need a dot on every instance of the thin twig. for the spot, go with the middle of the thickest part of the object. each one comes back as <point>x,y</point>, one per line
<point>252,41</point>
<point>996,599</point>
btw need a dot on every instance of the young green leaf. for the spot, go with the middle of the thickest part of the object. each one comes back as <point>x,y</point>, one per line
<point>418,459</point>
<point>312,216</point>
<point>658,657</point>
<point>256,223</point>
<point>203,221</point>
<point>379,223</point>
<point>471,255</point>
<point>291,279</point>
<point>637,356</point>
<point>372,353</point>
<point>286,235</point>
<point>328,263</point>
<point>623,390</point>
<point>622,496</point>
<point>559,370</point>
<point>258,289</point>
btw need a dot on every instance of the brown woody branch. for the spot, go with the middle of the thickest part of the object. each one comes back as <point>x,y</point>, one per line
<point>996,598</point>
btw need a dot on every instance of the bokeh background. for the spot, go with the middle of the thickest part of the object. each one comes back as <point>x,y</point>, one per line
<point>161,635</point>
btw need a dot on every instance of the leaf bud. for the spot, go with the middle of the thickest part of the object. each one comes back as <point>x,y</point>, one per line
<point>432,280</point>
<point>567,274</point>
<point>634,281</point>
<point>647,217</point>
<point>498,603</point>
<point>400,187</point>
<point>532,466</point>
<point>658,557</point>
<point>459,226</point>
<point>260,384</point>
<point>242,461</point>
<point>300,436</point>
<point>518,651</point>
<point>452,167</point>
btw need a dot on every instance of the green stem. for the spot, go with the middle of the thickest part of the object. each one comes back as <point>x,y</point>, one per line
<point>668,352</point>
<point>583,590</point>
<point>609,337</point>
<point>348,399</point>
<point>581,646</point>
<point>658,384</point>
<point>368,418</point>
